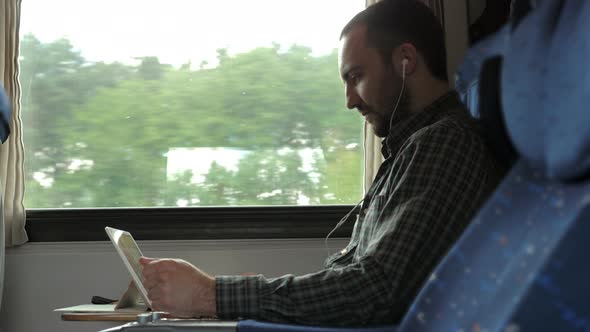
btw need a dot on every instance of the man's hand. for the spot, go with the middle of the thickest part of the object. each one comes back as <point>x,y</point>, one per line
<point>178,287</point>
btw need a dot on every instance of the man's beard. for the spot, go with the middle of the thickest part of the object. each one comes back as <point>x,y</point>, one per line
<point>382,126</point>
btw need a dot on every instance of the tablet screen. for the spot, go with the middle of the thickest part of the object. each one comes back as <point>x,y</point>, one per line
<point>130,254</point>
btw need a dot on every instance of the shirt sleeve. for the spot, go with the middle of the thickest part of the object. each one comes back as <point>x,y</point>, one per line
<point>434,186</point>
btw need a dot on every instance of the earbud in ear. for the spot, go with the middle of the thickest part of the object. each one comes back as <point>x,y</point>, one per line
<point>404,64</point>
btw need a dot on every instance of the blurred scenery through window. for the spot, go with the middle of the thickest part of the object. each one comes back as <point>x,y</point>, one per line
<point>136,103</point>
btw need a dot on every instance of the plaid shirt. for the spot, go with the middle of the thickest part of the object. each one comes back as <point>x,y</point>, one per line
<point>436,174</point>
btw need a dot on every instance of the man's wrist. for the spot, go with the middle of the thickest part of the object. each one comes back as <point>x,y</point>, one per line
<point>212,303</point>
<point>237,296</point>
<point>204,299</point>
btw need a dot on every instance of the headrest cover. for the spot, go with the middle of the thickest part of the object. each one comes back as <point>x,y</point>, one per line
<point>546,89</point>
<point>4,116</point>
<point>470,69</point>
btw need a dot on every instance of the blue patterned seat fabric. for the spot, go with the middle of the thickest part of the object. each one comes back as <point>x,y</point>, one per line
<point>484,278</point>
<point>4,116</point>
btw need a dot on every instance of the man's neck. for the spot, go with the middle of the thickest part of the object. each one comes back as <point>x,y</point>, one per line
<point>427,94</point>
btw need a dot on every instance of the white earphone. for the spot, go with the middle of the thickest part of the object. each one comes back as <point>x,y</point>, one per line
<point>404,64</point>
<point>343,220</point>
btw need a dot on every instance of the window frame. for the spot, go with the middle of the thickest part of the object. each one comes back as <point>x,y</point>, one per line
<point>189,223</point>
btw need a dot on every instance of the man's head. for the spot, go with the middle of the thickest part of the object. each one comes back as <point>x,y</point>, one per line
<point>373,46</point>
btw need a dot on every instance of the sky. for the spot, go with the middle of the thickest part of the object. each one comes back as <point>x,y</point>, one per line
<point>181,30</point>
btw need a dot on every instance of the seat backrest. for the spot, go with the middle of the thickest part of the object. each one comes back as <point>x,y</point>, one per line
<point>559,292</point>
<point>483,278</point>
<point>491,119</point>
<point>4,132</point>
<point>5,115</point>
<point>518,267</point>
<point>478,83</point>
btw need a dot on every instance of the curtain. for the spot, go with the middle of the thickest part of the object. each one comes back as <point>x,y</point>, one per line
<point>372,143</point>
<point>12,151</point>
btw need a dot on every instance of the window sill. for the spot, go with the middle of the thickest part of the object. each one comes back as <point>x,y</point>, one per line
<point>195,223</point>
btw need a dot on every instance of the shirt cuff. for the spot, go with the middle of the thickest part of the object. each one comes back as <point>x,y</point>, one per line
<point>237,297</point>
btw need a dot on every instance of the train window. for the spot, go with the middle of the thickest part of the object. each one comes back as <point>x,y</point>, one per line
<point>139,103</point>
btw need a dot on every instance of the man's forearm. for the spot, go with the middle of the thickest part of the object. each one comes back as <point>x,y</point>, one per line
<point>351,296</point>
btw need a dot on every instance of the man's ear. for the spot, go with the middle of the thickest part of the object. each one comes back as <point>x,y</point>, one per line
<point>408,52</point>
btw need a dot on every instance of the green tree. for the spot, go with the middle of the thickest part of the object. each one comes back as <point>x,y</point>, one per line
<point>218,187</point>
<point>55,79</point>
<point>100,132</point>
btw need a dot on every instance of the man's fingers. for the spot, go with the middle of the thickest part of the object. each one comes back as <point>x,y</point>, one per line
<point>155,294</point>
<point>149,283</point>
<point>150,271</point>
<point>157,306</point>
<point>159,300</point>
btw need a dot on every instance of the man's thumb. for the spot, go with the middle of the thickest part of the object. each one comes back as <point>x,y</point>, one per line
<point>146,260</point>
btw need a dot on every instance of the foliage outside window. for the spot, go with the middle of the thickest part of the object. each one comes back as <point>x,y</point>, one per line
<point>257,125</point>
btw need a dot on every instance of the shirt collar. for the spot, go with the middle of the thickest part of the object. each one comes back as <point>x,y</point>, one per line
<point>405,125</point>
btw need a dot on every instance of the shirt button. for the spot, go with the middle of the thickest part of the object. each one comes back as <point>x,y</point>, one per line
<point>365,210</point>
<point>343,251</point>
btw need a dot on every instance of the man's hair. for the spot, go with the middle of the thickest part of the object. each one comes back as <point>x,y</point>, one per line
<point>391,23</point>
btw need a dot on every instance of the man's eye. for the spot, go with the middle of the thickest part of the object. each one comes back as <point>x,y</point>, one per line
<point>354,78</point>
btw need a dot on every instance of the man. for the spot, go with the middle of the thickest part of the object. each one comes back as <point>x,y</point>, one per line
<point>436,173</point>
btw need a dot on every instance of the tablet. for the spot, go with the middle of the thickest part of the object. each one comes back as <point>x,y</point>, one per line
<point>130,254</point>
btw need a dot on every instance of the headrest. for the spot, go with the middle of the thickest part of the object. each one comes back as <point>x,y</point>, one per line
<point>4,116</point>
<point>478,81</point>
<point>546,89</point>
<point>491,120</point>
<point>469,70</point>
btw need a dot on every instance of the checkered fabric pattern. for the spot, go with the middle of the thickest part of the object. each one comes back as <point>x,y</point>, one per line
<point>436,174</point>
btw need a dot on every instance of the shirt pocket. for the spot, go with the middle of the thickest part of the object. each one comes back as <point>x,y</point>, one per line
<point>372,222</point>
<point>342,257</point>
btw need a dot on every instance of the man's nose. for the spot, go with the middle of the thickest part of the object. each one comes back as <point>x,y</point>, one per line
<point>352,98</point>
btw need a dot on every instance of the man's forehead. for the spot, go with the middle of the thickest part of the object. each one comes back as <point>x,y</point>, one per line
<point>351,43</point>
<point>354,38</point>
